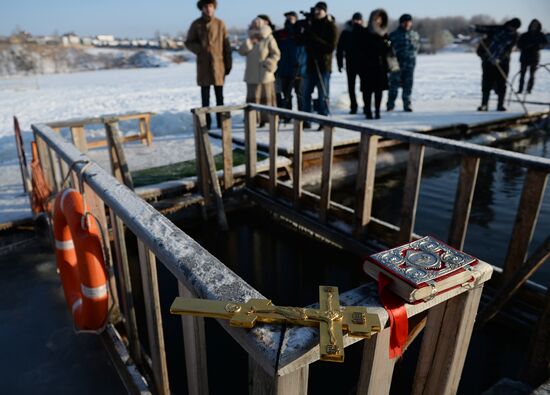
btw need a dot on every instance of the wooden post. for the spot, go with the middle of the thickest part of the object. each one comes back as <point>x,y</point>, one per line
<point>227,141</point>
<point>520,277</point>
<point>297,162</point>
<point>537,368</point>
<point>194,340</point>
<point>97,207</point>
<point>148,129</point>
<point>250,119</point>
<point>376,366</point>
<point>469,167</point>
<point>410,193</point>
<point>119,165</point>
<point>273,126</point>
<point>364,189</point>
<point>44,157</point>
<point>526,220</point>
<point>326,176</point>
<point>148,265</point>
<point>445,344</point>
<point>260,383</point>
<point>202,170</point>
<point>58,178</point>
<point>207,152</point>
<point>126,285</point>
<point>78,135</point>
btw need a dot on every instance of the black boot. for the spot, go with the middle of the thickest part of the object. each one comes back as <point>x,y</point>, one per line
<point>500,106</point>
<point>368,114</point>
<point>484,102</point>
<point>377,114</point>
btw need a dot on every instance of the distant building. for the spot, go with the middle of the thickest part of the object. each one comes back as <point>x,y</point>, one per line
<point>106,38</point>
<point>70,39</point>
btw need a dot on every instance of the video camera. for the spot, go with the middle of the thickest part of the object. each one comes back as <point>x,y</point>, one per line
<point>308,15</point>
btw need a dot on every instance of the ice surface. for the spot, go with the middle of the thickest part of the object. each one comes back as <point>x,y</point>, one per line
<point>447,88</point>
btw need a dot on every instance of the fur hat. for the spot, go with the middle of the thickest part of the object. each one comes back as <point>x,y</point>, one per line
<point>202,3</point>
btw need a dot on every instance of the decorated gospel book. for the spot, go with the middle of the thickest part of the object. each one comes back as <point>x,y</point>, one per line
<point>423,269</point>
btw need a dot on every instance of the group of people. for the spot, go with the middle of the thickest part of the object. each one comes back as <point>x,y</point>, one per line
<point>495,50</point>
<point>298,58</point>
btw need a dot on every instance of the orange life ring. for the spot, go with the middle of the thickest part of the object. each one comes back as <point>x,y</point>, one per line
<point>80,261</point>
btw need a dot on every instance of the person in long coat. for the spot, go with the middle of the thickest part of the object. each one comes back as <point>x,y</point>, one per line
<point>208,39</point>
<point>349,50</point>
<point>262,56</point>
<point>374,66</point>
<point>530,43</point>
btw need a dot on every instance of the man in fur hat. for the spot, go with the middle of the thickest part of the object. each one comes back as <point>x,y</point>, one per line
<point>207,38</point>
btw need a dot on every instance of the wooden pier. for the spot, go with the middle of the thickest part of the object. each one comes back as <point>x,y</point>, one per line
<point>279,358</point>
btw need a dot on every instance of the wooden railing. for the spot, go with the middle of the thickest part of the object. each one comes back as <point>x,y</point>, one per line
<point>360,221</point>
<point>77,128</point>
<point>279,358</point>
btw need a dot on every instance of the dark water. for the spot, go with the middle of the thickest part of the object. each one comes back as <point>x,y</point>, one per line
<point>496,200</point>
<point>288,268</point>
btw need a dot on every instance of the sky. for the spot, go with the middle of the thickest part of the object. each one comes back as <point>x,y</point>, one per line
<point>138,18</point>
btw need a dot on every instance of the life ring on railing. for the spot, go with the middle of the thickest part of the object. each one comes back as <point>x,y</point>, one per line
<point>80,261</point>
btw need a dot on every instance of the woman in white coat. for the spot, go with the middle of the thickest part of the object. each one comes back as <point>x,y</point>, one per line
<point>262,56</point>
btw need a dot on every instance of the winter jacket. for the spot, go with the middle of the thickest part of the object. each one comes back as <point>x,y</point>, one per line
<point>207,38</point>
<point>293,55</point>
<point>320,40</point>
<point>375,47</point>
<point>530,44</point>
<point>502,44</point>
<point>406,44</point>
<point>349,46</point>
<point>261,57</point>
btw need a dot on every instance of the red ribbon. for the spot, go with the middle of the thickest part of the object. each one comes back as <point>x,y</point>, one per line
<point>399,323</point>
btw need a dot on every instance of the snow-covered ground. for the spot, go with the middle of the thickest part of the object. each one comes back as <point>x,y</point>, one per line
<point>446,85</point>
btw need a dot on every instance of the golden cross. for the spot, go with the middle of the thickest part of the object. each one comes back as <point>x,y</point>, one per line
<point>332,319</point>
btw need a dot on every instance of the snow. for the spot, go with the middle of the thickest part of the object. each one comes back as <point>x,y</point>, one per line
<point>447,90</point>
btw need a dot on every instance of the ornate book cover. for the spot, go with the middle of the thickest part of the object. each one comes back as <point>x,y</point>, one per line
<point>423,268</point>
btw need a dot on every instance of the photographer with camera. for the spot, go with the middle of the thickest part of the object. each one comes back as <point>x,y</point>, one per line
<point>320,36</point>
<point>495,50</point>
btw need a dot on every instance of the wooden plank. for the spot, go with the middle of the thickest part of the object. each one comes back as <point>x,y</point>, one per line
<point>213,177</point>
<point>260,383</point>
<point>125,283</point>
<point>97,207</point>
<point>526,220</point>
<point>537,369</point>
<point>227,142</point>
<point>512,286</point>
<point>142,130</point>
<point>250,119</point>
<point>273,129</point>
<point>469,167</point>
<point>149,133</point>
<point>445,344</point>
<point>44,157</point>
<point>410,193</point>
<point>119,165</point>
<point>78,135</point>
<point>376,367</point>
<point>364,189</point>
<point>326,176</point>
<point>148,265</point>
<point>297,164</point>
<point>129,374</point>
<point>194,340</point>
<point>202,170</point>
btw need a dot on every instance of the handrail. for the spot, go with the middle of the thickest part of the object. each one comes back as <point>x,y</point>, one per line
<point>189,262</point>
<point>458,147</point>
